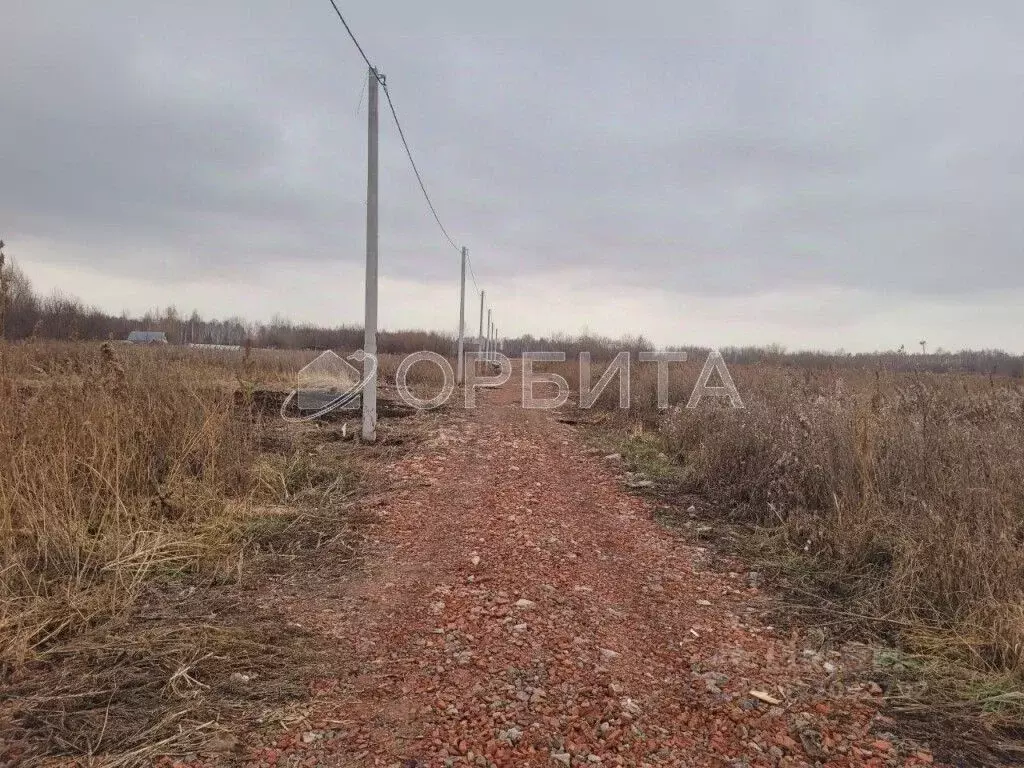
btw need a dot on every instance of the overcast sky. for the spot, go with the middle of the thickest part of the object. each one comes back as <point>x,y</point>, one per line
<point>818,174</point>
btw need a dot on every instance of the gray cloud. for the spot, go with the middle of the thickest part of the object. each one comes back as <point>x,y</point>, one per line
<point>723,147</point>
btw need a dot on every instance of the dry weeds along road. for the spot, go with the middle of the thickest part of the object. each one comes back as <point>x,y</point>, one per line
<point>521,609</point>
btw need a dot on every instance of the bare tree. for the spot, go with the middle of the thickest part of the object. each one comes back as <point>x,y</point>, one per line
<point>3,292</point>
<point>922,343</point>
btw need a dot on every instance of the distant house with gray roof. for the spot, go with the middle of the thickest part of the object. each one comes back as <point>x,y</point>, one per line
<point>147,337</point>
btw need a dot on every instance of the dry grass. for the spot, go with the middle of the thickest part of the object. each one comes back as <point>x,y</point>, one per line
<point>136,487</point>
<point>909,488</point>
<point>113,467</point>
<point>892,502</point>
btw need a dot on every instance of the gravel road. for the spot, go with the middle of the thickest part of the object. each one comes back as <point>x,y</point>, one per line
<point>520,608</point>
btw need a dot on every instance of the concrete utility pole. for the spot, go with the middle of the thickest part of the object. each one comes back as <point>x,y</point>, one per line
<point>487,347</point>
<point>480,333</point>
<point>460,363</point>
<point>369,432</point>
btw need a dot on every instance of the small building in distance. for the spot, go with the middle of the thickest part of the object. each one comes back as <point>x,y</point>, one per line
<point>147,337</point>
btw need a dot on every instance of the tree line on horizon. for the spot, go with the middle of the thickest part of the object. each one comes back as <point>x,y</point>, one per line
<point>25,315</point>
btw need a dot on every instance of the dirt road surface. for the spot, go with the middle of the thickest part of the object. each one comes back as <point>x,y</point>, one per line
<point>520,608</point>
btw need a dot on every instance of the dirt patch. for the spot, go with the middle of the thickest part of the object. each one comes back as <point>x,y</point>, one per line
<point>167,678</point>
<point>268,402</point>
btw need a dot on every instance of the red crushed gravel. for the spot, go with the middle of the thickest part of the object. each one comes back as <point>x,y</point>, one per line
<point>521,609</point>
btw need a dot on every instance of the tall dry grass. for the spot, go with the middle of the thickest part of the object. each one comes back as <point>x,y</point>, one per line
<point>909,490</point>
<point>114,464</point>
<point>129,477</point>
<point>118,462</point>
<point>897,499</point>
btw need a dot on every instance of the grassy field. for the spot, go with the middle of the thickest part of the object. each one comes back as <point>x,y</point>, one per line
<point>891,503</point>
<point>139,488</point>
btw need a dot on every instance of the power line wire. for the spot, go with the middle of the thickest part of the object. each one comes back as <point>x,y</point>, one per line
<point>415,170</point>
<point>362,92</point>
<point>358,46</point>
<point>401,133</point>
<point>472,274</point>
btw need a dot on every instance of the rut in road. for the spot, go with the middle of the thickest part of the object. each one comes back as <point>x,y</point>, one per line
<point>523,610</point>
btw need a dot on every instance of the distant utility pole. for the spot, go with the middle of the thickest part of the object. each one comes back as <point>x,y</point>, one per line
<point>480,333</point>
<point>460,363</point>
<point>487,347</point>
<point>369,395</point>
